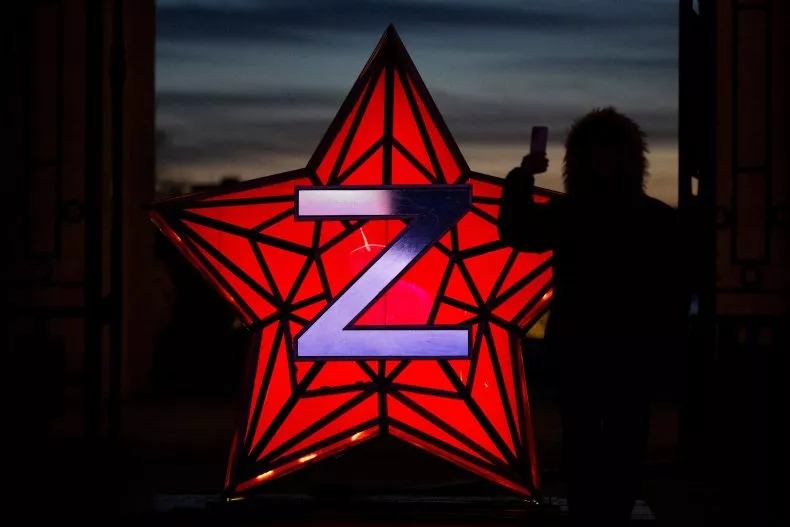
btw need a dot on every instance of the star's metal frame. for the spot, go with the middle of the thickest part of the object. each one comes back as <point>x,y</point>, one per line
<point>446,414</point>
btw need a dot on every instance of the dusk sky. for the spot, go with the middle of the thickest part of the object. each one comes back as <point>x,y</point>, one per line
<point>248,87</point>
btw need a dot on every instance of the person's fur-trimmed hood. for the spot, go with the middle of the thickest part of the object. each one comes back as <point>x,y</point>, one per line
<point>605,130</point>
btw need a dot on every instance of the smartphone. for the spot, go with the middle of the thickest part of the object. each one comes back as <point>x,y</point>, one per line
<point>539,140</point>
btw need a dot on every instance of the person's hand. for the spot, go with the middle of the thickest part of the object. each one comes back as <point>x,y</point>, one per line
<point>535,163</point>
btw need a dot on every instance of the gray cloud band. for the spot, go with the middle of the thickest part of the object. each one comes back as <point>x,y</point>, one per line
<point>300,22</point>
<point>209,129</point>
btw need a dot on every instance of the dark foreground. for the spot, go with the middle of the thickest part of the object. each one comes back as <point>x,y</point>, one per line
<point>170,468</point>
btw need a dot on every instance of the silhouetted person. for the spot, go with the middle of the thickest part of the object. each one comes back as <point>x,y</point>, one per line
<point>618,306</point>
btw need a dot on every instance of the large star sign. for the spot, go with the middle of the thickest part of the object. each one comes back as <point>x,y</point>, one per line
<point>377,291</point>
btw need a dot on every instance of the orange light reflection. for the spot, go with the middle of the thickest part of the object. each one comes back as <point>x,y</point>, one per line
<point>265,475</point>
<point>293,465</point>
<point>307,458</point>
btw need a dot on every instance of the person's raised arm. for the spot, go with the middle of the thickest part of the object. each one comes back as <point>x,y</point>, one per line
<point>524,224</point>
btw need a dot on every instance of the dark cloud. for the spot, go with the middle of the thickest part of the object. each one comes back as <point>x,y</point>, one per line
<point>213,140</point>
<point>491,123</point>
<point>309,22</point>
<point>216,136</point>
<point>599,66</point>
<point>173,100</point>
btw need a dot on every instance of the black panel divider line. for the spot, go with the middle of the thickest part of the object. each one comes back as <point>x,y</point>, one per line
<point>334,390</point>
<point>480,250</point>
<point>426,138</point>
<point>511,261</point>
<point>296,318</point>
<point>264,389</point>
<point>316,242</point>
<point>470,283</point>
<point>262,323</point>
<point>498,469</point>
<point>307,301</point>
<point>342,236</point>
<point>274,220</point>
<point>267,273</point>
<point>243,233</point>
<point>289,351</point>
<point>521,396</point>
<point>450,301</point>
<point>319,266</point>
<point>479,414</point>
<point>450,449</point>
<point>471,321</point>
<point>410,388</point>
<point>483,214</point>
<point>389,88</point>
<point>486,200</point>
<point>382,396</point>
<point>299,281</point>
<point>232,267</point>
<point>369,371</point>
<point>444,427</point>
<point>522,283</point>
<point>502,323</point>
<point>315,181</point>
<point>454,243</point>
<point>397,370</point>
<point>352,132</point>
<point>188,241</point>
<point>503,393</point>
<point>348,172</point>
<point>285,411</point>
<point>475,355</point>
<point>414,161</point>
<point>448,271</point>
<point>261,466</point>
<point>444,250</point>
<point>318,425</point>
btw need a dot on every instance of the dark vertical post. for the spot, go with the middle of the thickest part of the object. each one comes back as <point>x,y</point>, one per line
<point>94,77</point>
<point>703,356</point>
<point>117,78</point>
<point>686,64</point>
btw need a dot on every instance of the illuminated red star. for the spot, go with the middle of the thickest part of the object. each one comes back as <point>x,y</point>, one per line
<point>280,273</point>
